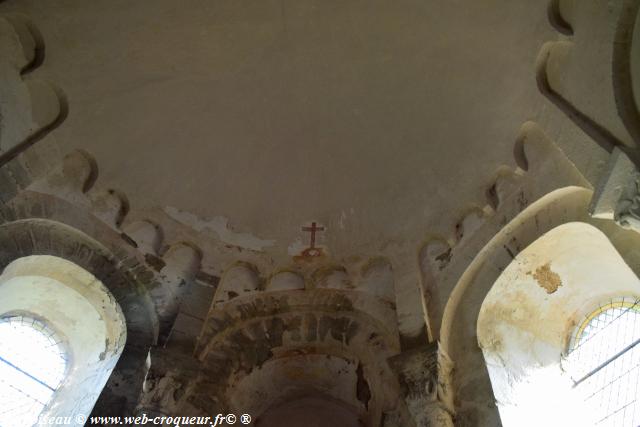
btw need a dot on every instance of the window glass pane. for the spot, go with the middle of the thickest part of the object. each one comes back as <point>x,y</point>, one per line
<point>604,362</point>
<point>32,366</point>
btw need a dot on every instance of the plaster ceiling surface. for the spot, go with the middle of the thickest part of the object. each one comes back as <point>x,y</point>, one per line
<point>381,120</point>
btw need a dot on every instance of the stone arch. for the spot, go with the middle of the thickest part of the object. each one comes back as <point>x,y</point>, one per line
<point>36,236</point>
<point>58,293</point>
<point>471,385</point>
<point>530,313</point>
<point>266,332</point>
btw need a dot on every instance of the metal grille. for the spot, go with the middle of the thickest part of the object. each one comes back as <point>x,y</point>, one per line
<point>32,366</point>
<point>604,363</point>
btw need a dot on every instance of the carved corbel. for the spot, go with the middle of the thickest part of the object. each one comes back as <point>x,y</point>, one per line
<point>628,213</point>
<point>421,372</point>
<point>617,195</point>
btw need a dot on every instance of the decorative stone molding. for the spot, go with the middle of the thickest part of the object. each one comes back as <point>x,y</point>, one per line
<point>22,51</point>
<point>67,192</point>
<point>442,259</point>
<point>598,37</point>
<point>264,326</point>
<point>57,210</point>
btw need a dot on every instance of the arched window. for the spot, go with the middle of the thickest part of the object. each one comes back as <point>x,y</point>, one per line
<point>552,359</point>
<point>61,334</point>
<point>604,362</point>
<point>33,363</point>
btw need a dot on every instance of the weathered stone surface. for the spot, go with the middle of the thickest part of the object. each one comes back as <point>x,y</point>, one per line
<point>423,383</point>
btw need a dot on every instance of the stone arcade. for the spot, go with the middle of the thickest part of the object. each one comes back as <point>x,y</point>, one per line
<point>321,213</point>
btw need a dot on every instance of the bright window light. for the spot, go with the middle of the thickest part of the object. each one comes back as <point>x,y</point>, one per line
<point>604,363</point>
<point>32,366</point>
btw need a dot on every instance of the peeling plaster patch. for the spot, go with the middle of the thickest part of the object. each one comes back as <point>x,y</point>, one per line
<point>548,280</point>
<point>220,226</point>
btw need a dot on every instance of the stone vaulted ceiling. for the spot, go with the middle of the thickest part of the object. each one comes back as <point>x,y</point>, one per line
<point>373,118</point>
<point>236,125</point>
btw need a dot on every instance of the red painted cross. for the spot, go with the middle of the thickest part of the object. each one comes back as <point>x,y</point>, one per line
<point>314,227</point>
